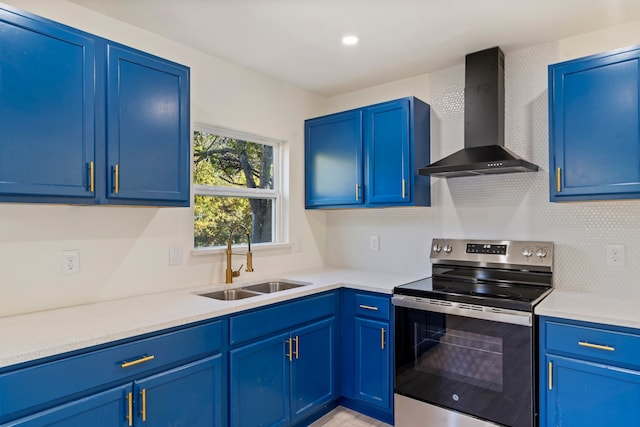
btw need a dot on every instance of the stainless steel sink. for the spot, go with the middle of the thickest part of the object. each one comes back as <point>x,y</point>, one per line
<point>231,294</point>
<point>274,286</point>
<point>252,290</point>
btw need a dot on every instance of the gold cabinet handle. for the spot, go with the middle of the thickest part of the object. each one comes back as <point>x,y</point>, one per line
<point>92,179</point>
<point>404,188</point>
<point>297,347</point>
<point>596,346</point>
<point>116,179</point>
<point>357,192</point>
<point>143,359</point>
<point>143,397</point>
<point>290,354</point>
<point>559,183</point>
<point>550,375</point>
<point>130,408</point>
<point>382,339</point>
<point>368,307</point>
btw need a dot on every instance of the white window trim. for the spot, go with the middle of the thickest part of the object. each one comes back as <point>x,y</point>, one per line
<point>276,193</point>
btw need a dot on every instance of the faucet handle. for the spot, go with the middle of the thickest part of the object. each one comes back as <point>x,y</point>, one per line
<point>236,273</point>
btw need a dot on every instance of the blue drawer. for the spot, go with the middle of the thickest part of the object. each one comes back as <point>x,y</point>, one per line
<point>48,382</point>
<point>265,321</point>
<point>373,306</point>
<point>593,342</point>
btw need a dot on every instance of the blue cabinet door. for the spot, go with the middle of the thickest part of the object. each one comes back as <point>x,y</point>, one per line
<point>259,383</point>
<point>585,394</point>
<point>367,157</point>
<point>47,140</point>
<point>106,409</point>
<point>148,129</point>
<point>333,160</point>
<point>387,155</point>
<point>373,368</point>
<point>313,368</point>
<point>190,395</point>
<point>594,127</point>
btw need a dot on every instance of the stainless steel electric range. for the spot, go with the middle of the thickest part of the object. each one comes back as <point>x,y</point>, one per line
<point>466,338</point>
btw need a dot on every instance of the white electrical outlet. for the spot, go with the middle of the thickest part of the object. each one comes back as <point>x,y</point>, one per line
<point>175,255</point>
<point>374,243</point>
<point>615,255</point>
<point>70,263</point>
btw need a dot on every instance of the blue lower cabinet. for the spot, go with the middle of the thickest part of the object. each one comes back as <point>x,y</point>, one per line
<point>282,379</point>
<point>313,371</point>
<point>590,374</point>
<point>190,395</point>
<point>585,394</point>
<point>259,385</point>
<point>373,368</point>
<point>105,409</point>
<point>367,362</point>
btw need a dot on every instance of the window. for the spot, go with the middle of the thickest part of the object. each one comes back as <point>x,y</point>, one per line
<point>236,180</point>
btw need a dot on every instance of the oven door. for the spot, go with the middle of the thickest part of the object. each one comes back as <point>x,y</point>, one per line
<point>477,361</point>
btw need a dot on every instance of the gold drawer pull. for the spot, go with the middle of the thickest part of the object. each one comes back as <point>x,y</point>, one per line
<point>92,177</point>
<point>596,346</point>
<point>130,409</point>
<point>290,354</point>
<point>143,359</point>
<point>143,412</point>
<point>368,307</point>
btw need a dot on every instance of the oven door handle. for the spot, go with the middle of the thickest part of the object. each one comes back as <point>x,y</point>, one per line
<point>514,317</point>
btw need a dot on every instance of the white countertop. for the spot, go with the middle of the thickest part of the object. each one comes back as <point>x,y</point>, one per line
<point>591,307</point>
<point>33,336</point>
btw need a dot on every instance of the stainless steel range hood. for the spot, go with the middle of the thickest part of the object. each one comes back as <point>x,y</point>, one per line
<point>483,151</point>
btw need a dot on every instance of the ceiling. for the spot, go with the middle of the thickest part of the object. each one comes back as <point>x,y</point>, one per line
<point>299,41</point>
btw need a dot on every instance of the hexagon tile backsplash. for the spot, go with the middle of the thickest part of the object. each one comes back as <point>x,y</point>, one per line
<point>510,206</point>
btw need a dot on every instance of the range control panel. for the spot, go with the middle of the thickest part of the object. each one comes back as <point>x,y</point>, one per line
<point>486,248</point>
<point>497,253</point>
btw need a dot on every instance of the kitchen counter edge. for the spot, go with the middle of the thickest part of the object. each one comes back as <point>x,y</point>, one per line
<point>32,336</point>
<point>591,307</point>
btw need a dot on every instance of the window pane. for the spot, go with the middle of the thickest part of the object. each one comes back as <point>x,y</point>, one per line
<point>223,161</point>
<point>214,217</point>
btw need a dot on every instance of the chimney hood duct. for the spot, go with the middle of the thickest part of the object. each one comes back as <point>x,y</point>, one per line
<point>483,151</point>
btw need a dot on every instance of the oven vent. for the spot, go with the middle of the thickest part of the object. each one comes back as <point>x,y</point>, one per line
<point>470,307</point>
<point>440,302</point>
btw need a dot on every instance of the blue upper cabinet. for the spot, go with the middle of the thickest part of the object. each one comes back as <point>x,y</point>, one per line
<point>46,109</point>
<point>333,160</point>
<point>86,121</point>
<point>594,127</point>
<point>148,128</point>
<point>368,157</point>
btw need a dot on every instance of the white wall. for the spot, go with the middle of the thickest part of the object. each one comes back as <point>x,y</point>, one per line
<point>512,206</point>
<point>124,251</point>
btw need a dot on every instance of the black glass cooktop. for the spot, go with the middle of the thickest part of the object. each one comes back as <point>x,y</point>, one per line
<point>501,295</point>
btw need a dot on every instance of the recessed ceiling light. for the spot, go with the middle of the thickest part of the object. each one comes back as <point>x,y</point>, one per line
<point>349,40</point>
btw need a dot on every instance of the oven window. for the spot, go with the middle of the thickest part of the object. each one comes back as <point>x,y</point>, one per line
<point>459,355</point>
<point>479,367</point>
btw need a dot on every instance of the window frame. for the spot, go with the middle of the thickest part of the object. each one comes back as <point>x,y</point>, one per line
<point>275,194</point>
